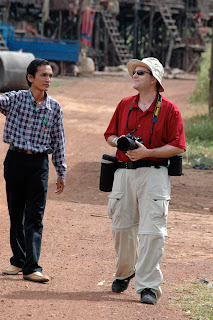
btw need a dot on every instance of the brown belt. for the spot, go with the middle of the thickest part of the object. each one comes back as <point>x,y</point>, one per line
<point>23,151</point>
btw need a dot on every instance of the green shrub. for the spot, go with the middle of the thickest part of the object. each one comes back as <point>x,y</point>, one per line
<point>199,128</point>
<point>201,93</point>
<point>199,140</point>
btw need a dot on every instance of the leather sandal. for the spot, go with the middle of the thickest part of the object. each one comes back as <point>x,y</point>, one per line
<point>12,270</point>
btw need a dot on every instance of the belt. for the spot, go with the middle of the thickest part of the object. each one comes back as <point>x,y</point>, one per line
<point>142,163</point>
<point>23,151</point>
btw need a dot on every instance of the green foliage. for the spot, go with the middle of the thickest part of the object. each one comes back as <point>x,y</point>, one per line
<point>199,140</point>
<point>57,83</point>
<point>196,300</point>
<point>199,129</point>
<point>201,93</point>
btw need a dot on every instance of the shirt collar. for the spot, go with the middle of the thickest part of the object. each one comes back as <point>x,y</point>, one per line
<point>150,109</point>
<point>46,104</point>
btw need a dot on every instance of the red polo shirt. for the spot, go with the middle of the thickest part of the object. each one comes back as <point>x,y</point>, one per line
<point>168,129</point>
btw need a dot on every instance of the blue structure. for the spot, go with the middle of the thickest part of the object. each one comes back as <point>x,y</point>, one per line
<point>50,49</point>
<point>53,50</point>
<point>6,30</point>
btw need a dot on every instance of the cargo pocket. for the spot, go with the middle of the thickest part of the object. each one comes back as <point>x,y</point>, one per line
<point>159,211</point>
<point>114,203</point>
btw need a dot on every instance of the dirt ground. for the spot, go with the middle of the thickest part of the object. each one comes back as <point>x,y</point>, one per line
<point>77,249</point>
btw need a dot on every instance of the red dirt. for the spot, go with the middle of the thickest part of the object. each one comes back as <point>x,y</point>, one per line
<point>77,249</point>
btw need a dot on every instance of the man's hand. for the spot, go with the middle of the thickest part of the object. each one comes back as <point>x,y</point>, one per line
<point>142,152</point>
<point>60,184</point>
<point>139,153</point>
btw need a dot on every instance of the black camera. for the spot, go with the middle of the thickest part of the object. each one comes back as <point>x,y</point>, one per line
<point>127,143</point>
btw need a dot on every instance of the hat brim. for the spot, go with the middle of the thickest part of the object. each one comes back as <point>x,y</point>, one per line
<point>132,64</point>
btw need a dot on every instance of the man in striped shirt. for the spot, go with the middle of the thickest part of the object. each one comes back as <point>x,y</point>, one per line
<point>33,129</point>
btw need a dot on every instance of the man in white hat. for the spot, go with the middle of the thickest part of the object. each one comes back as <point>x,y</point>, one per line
<point>138,203</point>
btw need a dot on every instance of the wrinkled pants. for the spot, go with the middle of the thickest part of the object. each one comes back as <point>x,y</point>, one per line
<point>26,179</point>
<point>138,207</point>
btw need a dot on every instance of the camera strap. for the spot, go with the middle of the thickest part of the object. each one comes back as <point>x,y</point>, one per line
<point>130,109</point>
<point>154,118</point>
<point>155,115</point>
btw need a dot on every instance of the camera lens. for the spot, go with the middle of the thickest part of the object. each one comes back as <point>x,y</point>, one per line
<point>124,144</point>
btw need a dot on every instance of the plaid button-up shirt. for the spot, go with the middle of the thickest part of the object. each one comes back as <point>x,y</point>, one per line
<point>25,129</point>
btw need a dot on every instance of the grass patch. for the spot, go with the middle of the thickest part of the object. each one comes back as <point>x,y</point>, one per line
<point>57,83</point>
<point>198,125</point>
<point>199,140</point>
<point>197,122</point>
<point>196,301</point>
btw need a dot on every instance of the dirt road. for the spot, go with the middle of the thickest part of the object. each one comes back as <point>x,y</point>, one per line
<point>77,249</point>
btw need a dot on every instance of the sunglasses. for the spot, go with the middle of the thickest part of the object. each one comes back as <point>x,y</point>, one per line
<point>141,72</point>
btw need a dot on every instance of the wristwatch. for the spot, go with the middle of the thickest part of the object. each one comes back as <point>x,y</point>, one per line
<point>113,140</point>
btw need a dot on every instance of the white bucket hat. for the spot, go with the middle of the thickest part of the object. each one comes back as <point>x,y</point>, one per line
<point>151,64</point>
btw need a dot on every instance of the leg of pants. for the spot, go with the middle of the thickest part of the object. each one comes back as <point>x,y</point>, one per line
<point>26,184</point>
<point>34,212</point>
<point>139,201</point>
<point>148,273</point>
<point>153,201</point>
<point>124,214</point>
<point>16,206</point>
<point>126,247</point>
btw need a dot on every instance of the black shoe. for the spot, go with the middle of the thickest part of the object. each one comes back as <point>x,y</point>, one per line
<point>148,296</point>
<point>121,285</point>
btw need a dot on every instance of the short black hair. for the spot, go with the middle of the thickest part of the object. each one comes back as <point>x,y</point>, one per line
<point>33,67</point>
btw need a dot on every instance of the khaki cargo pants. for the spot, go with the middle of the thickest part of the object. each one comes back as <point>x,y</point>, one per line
<point>138,207</point>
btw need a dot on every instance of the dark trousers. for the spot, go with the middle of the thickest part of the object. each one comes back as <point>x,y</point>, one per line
<point>26,179</point>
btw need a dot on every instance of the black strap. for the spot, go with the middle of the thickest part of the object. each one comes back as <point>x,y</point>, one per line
<point>154,118</point>
<point>142,163</point>
<point>155,115</point>
<point>130,109</point>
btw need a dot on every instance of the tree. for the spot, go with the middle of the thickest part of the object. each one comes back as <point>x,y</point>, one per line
<point>211,80</point>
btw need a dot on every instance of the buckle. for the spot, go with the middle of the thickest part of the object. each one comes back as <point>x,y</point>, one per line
<point>129,165</point>
<point>28,152</point>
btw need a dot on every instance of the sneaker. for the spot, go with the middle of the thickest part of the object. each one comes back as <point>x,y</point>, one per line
<point>12,270</point>
<point>148,296</point>
<point>121,285</point>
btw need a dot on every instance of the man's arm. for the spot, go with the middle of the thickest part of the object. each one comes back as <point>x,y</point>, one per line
<point>60,184</point>
<point>142,152</point>
<point>58,157</point>
<point>7,100</point>
<point>112,140</point>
